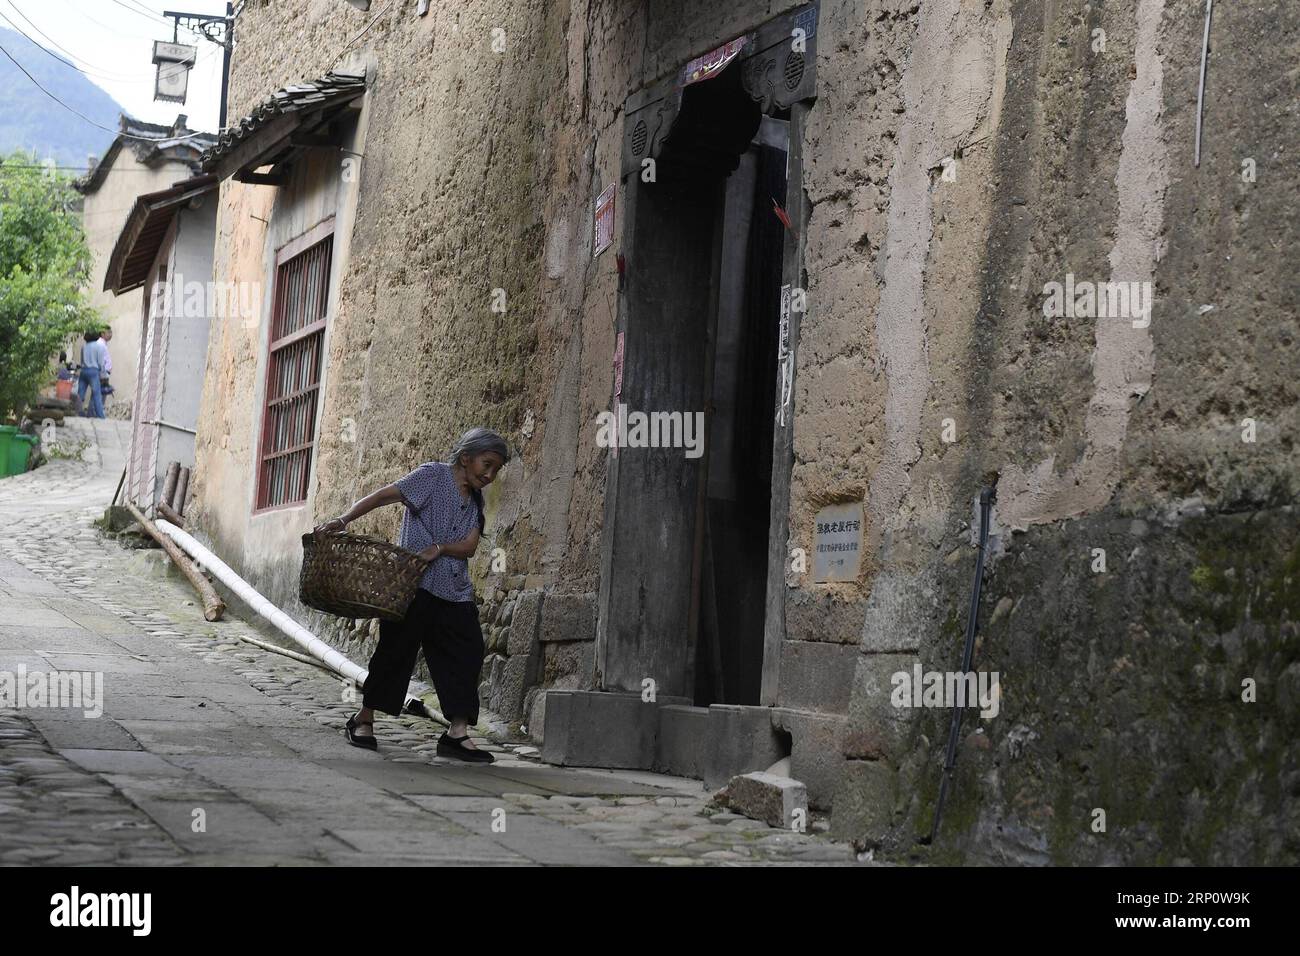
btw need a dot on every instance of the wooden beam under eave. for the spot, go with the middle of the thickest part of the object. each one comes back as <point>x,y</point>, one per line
<point>259,179</point>
<point>304,141</point>
<point>268,140</point>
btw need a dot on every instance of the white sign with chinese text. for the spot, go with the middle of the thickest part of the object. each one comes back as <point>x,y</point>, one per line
<point>837,553</point>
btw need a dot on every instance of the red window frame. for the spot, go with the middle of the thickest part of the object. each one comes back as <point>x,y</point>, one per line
<point>295,346</point>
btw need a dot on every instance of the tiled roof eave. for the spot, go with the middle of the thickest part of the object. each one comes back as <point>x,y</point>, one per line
<point>146,224</point>
<point>332,89</point>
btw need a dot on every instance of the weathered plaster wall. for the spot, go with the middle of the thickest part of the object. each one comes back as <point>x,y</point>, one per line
<point>1120,689</point>
<point>224,446</point>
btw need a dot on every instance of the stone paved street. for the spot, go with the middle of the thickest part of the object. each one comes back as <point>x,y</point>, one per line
<point>213,751</point>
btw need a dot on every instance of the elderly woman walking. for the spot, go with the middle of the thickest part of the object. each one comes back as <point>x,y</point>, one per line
<point>442,523</point>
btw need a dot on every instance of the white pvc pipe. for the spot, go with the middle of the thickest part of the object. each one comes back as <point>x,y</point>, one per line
<point>300,635</point>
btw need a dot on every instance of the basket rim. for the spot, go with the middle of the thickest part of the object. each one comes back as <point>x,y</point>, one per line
<point>314,538</point>
<point>327,555</point>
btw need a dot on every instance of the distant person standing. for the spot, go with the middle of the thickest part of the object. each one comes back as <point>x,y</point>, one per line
<point>105,389</point>
<point>94,357</point>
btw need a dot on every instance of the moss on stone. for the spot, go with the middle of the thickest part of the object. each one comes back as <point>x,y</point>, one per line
<point>1128,699</point>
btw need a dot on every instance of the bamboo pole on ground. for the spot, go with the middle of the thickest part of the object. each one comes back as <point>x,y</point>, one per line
<point>213,606</point>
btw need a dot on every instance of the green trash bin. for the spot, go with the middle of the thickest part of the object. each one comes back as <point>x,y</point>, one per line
<point>7,433</point>
<point>20,452</point>
<point>16,449</point>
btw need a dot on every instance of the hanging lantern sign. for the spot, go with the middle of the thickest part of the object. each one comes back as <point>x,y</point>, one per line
<point>174,62</point>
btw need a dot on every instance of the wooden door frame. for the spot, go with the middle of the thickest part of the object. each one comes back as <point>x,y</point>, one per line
<point>778,79</point>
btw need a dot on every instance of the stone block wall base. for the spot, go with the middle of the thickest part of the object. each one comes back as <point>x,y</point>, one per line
<point>713,744</point>
<point>864,799</point>
<point>816,754</point>
<point>682,748</point>
<point>741,738</point>
<point>586,728</point>
<point>816,675</point>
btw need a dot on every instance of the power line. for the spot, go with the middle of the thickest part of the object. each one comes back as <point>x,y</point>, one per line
<point>115,30</point>
<point>143,13</point>
<point>107,74</point>
<point>20,31</point>
<point>74,169</point>
<point>119,132</point>
<point>140,6</point>
<point>85,71</point>
<point>147,9</point>
<point>375,20</point>
<point>115,132</point>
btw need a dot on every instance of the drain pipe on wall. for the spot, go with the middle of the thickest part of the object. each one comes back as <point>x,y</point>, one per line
<point>988,495</point>
<point>334,660</point>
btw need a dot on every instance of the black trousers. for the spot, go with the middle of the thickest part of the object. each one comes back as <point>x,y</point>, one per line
<point>452,640</point>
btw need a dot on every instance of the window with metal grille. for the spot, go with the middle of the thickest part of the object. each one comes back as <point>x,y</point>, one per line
<point>293,371</point>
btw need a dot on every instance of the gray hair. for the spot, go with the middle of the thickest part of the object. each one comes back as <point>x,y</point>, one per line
<point>478,441</point>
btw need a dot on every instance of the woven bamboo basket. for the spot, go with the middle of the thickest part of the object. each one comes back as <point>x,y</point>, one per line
<point>358,577</point>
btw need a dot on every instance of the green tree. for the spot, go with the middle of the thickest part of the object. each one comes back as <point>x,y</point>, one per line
<point>44,271</point>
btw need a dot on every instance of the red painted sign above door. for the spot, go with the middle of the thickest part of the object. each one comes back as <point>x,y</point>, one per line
<point>712,63</point>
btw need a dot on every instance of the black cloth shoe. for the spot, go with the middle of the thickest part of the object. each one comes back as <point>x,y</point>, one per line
<point>454,747</point>
<point>367,741</point>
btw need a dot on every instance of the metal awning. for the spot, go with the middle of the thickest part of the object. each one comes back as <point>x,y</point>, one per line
<point>138,243</point>
<point>289,121</point>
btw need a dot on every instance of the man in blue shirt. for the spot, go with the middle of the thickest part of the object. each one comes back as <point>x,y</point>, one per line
<point>94,364</point>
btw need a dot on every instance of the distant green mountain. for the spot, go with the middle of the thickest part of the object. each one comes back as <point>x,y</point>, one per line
<point>30,119</point>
